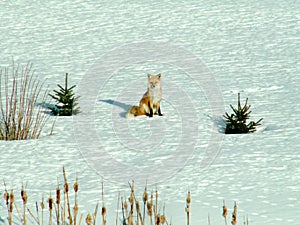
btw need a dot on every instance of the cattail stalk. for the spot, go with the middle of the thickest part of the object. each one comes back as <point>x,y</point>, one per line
<point>163,217</point>
<point>118,204</point>
<point>145,199</point>
<point>80,219</point>
<point>126,210</point>
<point>156,203</point>
<point>187,209</point>
<point>42,207</point>
<point>150,208</point>
<point>35,218</point>
<point>234,215</point>
<point>75,187</point>
<point>103,213</point>
<point>139,214</point>
<point>66,191</point>
<point>95,214</point>
<point>24,199</point>
<point>158,219</point>
<point>50,204</point>
<point>124,207</point>
<point>131,201</point>
<point>6,198</point>
<point>58,205</point>
<point>89,219</point>
<point>37,212</point>
<point>225,211</point>
<point>10,210</point>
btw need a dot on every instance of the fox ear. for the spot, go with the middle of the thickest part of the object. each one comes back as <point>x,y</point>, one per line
<point>149,75</point>
<point>158,75</point>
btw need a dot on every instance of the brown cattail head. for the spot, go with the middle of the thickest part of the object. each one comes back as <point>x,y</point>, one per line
<point>50,203</point>
<point>103,211</point>
<point>234,215</point>
<point>42,204</point>
<point>12,196</point>
<point>132,187</point>
<point>225,210</point>
<point>76,186</point>
<point>131,199</point>
<point>24,195</point>
<point>125,205</point>
<point>12,200</point>
<point>76,208</point>
<point>11,207</point>
<point>158,219</point>
<point>137,205</point>
<point>6,197</point>
<point>145,196</point>
<point>66,187</point>
<point>58,195</point>
<point>149,208</point>
<point>188,198</point>
<point>89,219</point>
<point>163,219</point>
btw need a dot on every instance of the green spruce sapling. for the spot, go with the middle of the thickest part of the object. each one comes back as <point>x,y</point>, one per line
<point>66,101</point>
<point>236,123</point>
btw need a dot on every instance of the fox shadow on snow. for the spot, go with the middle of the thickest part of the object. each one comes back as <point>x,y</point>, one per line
<point>118,104</point>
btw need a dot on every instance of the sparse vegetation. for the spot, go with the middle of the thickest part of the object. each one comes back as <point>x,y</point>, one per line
<point>62,210</point>
<point>20,117</point>
<point>236,123</point>
<point>66,102</point>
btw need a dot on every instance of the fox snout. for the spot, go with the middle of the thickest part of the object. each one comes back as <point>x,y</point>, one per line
<point>152,86</point>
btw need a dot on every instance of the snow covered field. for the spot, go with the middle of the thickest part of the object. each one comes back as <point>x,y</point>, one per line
<point>207,52</point>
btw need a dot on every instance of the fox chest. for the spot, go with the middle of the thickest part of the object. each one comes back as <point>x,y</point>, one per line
<point>155,96</point>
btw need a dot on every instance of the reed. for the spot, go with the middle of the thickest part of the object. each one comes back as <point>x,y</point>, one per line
<point>103,212</point>
<point>187,208</point>
<point>66,192</point>
<point>20,117</point>
<point>234,215</point>
<point>50,204</point>
<point>57,205</point>
<point>75,208</point>
<point>224,214</point>
<point>131,208</point>
<point>145,199</point>
<point>24,199</point>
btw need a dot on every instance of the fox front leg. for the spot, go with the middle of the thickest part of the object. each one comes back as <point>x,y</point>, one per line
<point>159,112</point>
<point>150,113</point>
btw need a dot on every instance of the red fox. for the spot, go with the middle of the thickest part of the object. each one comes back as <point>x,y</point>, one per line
<point>150,103</point>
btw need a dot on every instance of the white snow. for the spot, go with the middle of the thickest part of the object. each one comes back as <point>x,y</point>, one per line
<point>247,47</point>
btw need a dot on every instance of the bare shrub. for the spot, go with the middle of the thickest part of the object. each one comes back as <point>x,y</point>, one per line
<point>20,117</point>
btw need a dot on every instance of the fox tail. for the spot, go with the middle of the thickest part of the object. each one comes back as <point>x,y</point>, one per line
<point>132,112</point>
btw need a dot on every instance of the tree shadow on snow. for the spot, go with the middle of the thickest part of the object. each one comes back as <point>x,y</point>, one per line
<point>121,105</point>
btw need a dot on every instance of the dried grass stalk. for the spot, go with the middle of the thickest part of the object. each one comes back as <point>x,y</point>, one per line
<point>103,213</point>
<point>20,118</point>
<point>225,212</point>
<point>66,192</point>
<point>24,199</point>
<point>75,209</point>
<point>187,208</point>
<point>234,215</point>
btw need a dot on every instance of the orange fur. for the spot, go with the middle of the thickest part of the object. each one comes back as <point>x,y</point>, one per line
<point>150,102</point>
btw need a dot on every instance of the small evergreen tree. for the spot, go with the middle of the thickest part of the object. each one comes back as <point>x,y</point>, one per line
<point>236,123</point>
<point>66,100</point>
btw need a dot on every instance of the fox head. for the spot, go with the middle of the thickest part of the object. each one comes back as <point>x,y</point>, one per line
<point>154,80</point>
